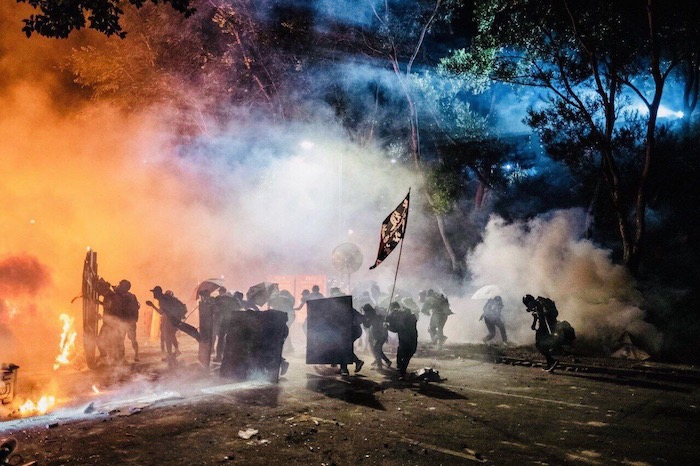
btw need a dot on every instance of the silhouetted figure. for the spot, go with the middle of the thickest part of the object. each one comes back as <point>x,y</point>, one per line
<point>403,322</point>
<point>120,308</point>
<point>493,318</point>
<point>377,335</point>
<point>283,301</point>
<point>226,304</point>
<point>357,322</point>
<point>171,308</point>
<point>544,314</point>
<point>130,314</point>
<point>438,308</point>
<point>315,293</point>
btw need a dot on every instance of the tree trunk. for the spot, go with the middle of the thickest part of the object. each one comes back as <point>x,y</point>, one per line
<point>456,265</point>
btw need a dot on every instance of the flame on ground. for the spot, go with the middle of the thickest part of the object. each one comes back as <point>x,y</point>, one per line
<point>30,408</point>
<point>67,346</point>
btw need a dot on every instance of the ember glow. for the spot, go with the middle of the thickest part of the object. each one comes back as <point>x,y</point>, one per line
<point>67,346</point>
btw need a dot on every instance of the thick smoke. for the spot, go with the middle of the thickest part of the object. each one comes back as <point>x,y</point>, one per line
<point>547,256</point>
<point>21,275</point>
<point>253,199</point>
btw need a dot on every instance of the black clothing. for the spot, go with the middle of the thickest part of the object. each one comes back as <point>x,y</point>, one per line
<point>404,324</point>
<point>494,319</point>
<point>438,308</point>
<point>544,321</point>
<point>378,335</point>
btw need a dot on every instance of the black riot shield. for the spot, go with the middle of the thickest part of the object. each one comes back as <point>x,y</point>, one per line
<point>329,331</point>
<point>90,308</point>
<point>253,349</point>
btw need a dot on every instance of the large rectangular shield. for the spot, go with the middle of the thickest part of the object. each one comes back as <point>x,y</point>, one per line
<point>253,349</point>
<point>329,331</point>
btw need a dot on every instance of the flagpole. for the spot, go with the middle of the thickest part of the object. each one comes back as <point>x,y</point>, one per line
<point>391,296</point>
<point>398,262</point>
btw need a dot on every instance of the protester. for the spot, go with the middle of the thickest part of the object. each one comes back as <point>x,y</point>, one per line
<point>357,321</point>
<point>403,322</point>
<point>377,335</point>
<point>437,307</point>
<point>493,318</point>
<point>226,304</point>
<point>172,309</point>
<point>544,314</point>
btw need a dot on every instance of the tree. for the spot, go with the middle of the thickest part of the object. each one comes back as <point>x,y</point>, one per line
<point>59,18</point>
<point>398,35</point>
<point>598,60</point>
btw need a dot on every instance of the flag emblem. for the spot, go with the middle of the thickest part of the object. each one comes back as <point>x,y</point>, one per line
<point>393,230</point>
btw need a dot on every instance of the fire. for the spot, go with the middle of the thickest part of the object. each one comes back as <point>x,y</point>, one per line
<point>67,341</point>
<point>45,403</point>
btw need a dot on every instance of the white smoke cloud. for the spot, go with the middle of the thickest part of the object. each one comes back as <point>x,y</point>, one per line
<point>548,256</point>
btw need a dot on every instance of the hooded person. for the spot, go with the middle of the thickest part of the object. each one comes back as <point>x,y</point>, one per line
<point>543,323</point>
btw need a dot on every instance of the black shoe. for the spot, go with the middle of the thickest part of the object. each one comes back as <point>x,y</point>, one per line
<point>284,366</point>
<point>358,365</point>
<point>344,372</point>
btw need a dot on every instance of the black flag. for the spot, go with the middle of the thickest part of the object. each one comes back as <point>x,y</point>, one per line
<point>393,230</point>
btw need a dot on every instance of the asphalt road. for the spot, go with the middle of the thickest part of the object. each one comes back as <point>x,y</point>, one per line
<point>482,413</point>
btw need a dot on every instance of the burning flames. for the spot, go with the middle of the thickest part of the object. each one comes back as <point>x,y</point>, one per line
<point>29,408</point>
<point>67,341</point>
<point>67,348</point>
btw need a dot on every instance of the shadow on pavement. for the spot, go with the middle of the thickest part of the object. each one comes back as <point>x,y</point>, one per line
<point>357,389</point>
<point>351,389</point>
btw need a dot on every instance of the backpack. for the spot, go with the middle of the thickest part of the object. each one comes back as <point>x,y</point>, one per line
<point>566,332</point>
<point>177,308</point>
<point>550,308</point>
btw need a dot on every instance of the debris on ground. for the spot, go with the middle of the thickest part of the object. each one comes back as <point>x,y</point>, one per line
<point>427,374</point>
<point>248,433</point>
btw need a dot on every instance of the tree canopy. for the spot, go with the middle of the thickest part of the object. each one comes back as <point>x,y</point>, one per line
<point>59,18</point>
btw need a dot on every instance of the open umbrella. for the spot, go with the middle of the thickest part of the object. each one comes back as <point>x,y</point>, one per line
<point>487,292</point>
<point>208,286</point>
<point>259,294</point>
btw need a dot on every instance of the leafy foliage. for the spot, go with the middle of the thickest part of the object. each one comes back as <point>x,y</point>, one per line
<point>58,18</point>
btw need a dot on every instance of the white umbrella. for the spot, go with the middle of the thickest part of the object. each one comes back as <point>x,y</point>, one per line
<point>210,285</point>
<point>487,292</point>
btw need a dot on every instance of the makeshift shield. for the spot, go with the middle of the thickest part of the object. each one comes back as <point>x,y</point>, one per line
<point>91,304</point>
<point>254,343</point>
<point>329,331</point>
